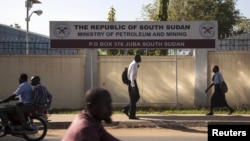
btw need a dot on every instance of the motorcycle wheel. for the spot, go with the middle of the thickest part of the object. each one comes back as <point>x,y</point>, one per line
<point>40,129</point>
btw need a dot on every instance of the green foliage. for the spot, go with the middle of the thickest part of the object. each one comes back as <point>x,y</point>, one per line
<point>111,14</point>
<point>222,11</point>
<point>163,11</point>
<point>162,16</point>
<point>150,11</point>
<point>176,10</point>
<point>16,25</point>
<point>242,26</point>
<point>190,10</point>
<point>112,52</point>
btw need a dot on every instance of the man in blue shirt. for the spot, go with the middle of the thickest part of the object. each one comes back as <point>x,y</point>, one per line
<point>25,94</point>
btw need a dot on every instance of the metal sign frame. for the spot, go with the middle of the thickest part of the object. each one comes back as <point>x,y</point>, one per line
<point>144,34</point>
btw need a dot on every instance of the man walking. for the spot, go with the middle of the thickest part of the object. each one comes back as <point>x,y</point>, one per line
<point>134,95</point>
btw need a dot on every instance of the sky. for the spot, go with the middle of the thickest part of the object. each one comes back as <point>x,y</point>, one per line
<point>14,11</point>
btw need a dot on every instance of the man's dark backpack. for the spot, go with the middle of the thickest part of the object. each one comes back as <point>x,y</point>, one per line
<point>125,79</point>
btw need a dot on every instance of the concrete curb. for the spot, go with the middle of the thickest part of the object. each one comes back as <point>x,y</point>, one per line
<point>153,124</point>
<point>162,124</point>
<point>158,121</point>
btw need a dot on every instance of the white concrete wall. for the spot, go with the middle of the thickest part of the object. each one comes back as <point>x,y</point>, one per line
<point>68,77</point>
<point>156,80</point>
<point>235,68</point>
<point>62,75</point>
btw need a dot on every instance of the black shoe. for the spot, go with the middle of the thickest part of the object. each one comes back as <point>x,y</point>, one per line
<point>134,118</point>
<point>231,111</point>
<point>125,112</point>
<point>210,114</point>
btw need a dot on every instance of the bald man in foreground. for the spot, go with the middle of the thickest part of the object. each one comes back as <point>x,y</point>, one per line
<point>87,125</point>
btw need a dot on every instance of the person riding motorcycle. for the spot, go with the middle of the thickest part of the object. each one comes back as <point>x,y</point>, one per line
<point>25,94</point>
<point>42,99</point>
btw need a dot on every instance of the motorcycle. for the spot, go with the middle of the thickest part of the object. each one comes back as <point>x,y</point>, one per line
<point>37,121</point>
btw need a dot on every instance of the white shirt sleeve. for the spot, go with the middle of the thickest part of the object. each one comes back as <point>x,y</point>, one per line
<point>132,73</point>
<point>218,78</point>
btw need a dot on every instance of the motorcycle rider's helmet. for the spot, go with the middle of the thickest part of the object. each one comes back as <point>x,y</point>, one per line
<point>35,80</point>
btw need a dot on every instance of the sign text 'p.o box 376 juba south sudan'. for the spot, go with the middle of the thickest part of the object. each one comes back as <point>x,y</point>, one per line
<point>138,34</point>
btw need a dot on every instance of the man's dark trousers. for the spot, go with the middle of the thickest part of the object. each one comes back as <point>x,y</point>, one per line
<point>134,96</point>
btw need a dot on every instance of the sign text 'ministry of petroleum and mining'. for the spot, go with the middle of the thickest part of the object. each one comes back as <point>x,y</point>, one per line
<point>93,34</point>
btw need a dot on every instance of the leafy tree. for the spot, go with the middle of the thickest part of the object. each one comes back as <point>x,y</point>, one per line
<point>112,52</point>
<point>150,11</point>
<point>156,11</point>
<point>189,10</point>
<point>162,16</point>
<point>163,11</point>
<point>242,26</point>
<point>16,25</point>
<point>111,14</point>
<point>150,52</point>
<point>176,10</point>
<point>111,18</point>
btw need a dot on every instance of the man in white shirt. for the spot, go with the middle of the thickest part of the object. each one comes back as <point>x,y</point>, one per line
<point>134,95</point>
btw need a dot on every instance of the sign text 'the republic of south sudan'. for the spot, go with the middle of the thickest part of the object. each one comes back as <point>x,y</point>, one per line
<point>149,34</point>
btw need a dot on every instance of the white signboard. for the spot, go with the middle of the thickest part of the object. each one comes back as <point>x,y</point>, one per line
<point>138,34</point>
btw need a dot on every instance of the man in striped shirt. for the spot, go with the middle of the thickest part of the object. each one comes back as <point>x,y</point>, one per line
<point>42,97</point>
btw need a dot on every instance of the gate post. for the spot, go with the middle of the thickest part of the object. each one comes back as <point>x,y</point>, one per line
<point>91,67</point>
<point>201,61</point>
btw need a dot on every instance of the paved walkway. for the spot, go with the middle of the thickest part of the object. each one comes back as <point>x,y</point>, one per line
<point>62,121</point>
